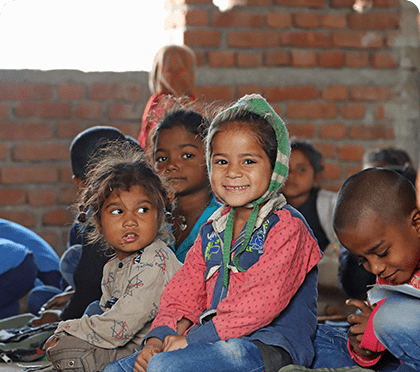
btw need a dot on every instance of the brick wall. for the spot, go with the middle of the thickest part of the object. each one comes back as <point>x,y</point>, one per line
<point>343,80</point>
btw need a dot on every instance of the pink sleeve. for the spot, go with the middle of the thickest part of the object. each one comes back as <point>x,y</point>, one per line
<point>369,342</point>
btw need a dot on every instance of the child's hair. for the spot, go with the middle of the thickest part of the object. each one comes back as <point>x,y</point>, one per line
<point>119,166</point>
<point>388,157</point>
<point>310,152</point>
<point>262,129</point>
<point>86,143</point>
<point>191,120</point>
<point>382,191</point>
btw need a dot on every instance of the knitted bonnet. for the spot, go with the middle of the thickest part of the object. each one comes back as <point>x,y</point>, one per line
<point>257,105</point>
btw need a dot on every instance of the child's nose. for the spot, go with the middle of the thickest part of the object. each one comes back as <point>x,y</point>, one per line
<point>233,171</point>
<point>377,267</point>
<point>130,220</point>
<point>172,164</point>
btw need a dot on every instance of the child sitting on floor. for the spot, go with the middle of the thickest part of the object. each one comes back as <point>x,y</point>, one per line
<point>376,218</point>
<point>126,202</point>
<point>248,285</point>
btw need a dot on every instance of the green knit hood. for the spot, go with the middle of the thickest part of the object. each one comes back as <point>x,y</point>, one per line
<point>257,105</point>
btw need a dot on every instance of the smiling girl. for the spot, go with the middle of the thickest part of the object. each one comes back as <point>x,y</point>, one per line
<point>127,202</point>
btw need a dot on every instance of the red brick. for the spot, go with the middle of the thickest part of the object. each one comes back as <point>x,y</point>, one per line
<point>279,20</point>
<point>214,93</point>
<point>12,196</point>
<point>105,91</point>
<point>67,195</point>
<point>276,58</point>
<point>125,112</point>
<point>201,59</point>
<point>43,109</point>
<point>301,130</point>
<point>352,169</point>
<point>303,3</point>
<point>233,18</point>
<point>25,132</point>
<point>373,21</point>
<point>362,93</point>
<point>335,93</point>
<point>304,58</point>
<point>70,91</point>
<point>31,174</point>
<point>358,40</point>
<point>391,36</point>
<point>130,129</point>
<point>51,151</point>
<point>306,20</point>
<point>253,39</point>
<point>248,60</point>
<point>383,60</point>
<point>20,91</point>
<point>290,93</point>
<point>242,90</point>
<point>342,3</point>
<point>333,58</point>
<point>4,112</point>
<point>277,108</point>
<point>336,21</point>
<point>66,174</point>
<point>332,171</point>
<point>356,59</point>
<point>311,110</point>
<point>221,58</point>
<point>371,132</point>
<point>41,198</point>
<point>328,150</point>
<point>334,131</point>
<point>351,153</point>
<point>57,217</point>
<point>3,152</point>
<point>89,110</point>
<point>202,37</point>
<point>306,39</point>
<point>26,219</point>
<point>51,239</point>
<point>353,111</point>
<point>68,129</point>
<point>196,17</point>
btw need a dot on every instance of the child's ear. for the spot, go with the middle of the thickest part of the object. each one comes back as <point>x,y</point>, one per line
<point>415,219</point>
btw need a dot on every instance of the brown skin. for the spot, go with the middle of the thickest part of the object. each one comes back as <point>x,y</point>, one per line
<point>388,249</point>
<point>155,346</point>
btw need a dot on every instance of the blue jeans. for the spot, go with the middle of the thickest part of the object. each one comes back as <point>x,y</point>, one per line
<point>331,352</point>
<point>234,355</point>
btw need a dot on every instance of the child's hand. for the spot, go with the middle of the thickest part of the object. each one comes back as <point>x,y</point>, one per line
<point>57,302</point>
<point>172,343</point>
<point>153,346</point>
<point>358,328</point>
<point>47,317</point>
<point>50,343</point>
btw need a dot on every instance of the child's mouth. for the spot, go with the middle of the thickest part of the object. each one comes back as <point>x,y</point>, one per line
<point>129,238</point>
<point>235,188</point>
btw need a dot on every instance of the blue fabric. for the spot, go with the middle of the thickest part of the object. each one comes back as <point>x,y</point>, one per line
<point>39,295</point>
<point>94,308</point>
<point>68,263</point>
<point>234,355</point>
<point>45,257</point>
<point>185,246</point>
<point>14,283</point>
<point>331,352</point>
<point>12,254</point>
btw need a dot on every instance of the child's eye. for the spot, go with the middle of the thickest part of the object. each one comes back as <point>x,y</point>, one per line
<point>249,161</point>
<point>143,209</point>
<point>161,159</point>
<point>383,254</point>
<point>188,156</point>
<point>301,169</point>
<point>220,162</point>
<point>116,211</point>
